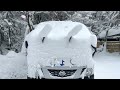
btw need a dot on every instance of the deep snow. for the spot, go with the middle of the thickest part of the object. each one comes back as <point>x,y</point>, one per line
<point>13,66</point>
<point>107,66</point>
<point>57,45</point>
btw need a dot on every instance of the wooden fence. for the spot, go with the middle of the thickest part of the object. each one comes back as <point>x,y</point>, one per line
<point>112,46</point>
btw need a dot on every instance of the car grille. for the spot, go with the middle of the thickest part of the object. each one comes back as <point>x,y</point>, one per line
<point>61,73</point>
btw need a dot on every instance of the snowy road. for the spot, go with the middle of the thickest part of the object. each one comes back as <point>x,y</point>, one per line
<point>14,66</point>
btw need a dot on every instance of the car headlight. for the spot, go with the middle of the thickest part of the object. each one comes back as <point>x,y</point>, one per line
<point>89,71</point>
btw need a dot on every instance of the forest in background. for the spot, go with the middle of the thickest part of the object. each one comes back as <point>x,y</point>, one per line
<point>13,24</point>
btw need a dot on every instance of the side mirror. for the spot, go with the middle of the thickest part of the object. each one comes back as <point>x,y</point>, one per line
<point>26,44</point>
<point>95,50</point>
<point>93,40</point>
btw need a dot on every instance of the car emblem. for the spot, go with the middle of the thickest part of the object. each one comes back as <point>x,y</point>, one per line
<point>62,73</point>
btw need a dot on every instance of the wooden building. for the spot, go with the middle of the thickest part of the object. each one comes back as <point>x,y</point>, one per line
<point>113,43</point>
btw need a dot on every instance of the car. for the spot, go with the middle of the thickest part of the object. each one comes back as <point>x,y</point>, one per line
<point>60,50</point>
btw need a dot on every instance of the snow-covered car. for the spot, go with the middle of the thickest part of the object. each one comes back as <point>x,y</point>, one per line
<point>60,50</point>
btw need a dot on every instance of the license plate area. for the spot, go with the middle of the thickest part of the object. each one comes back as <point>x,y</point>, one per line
<point>59,72</point>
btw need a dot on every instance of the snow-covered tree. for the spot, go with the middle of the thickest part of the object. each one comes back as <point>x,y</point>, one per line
<point>15,25</point>
<point>98,21</point>
<point>12,28</point>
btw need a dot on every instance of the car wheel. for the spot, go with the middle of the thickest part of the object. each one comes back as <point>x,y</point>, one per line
<point>30,78</point>
<point>91,77</point>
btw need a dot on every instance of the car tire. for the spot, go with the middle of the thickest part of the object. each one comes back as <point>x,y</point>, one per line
<point>30,78</point>
<point>34,78</point>
<point>91,77</point>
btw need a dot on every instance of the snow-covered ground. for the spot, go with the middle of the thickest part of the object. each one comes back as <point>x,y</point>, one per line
<point>107,66</point>
<point>14,66</point>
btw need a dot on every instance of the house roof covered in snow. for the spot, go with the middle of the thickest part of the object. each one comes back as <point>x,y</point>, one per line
<point>114,32</point>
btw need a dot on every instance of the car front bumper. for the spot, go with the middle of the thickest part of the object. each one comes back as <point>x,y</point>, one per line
<point>71,75</point>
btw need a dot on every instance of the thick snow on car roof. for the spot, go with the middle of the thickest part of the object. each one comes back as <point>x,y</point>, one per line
<point>61,27</point>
